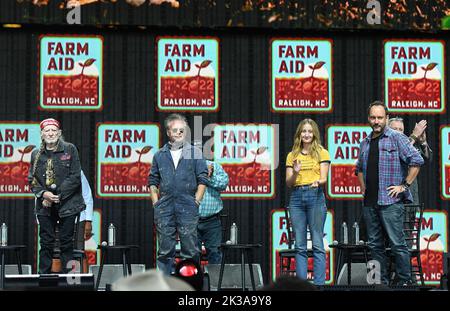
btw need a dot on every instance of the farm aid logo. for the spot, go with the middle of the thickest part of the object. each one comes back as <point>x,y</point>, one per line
<point>91,239</point>
<point>280,241</point>
<point>70,72</point>
<point>188,74</point>
<point>301,75</point>
<point>343,145</point>
<point>433,245</point>
<point>124,156</point>
<point>247,154</point>
<point>17,140</point>
<point>414,76</point>
<point>445,162</point>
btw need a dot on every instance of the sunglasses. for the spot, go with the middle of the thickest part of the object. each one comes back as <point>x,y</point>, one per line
<point>175,130</point>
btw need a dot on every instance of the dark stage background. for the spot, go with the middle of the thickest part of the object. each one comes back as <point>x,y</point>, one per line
<point>129,96</point>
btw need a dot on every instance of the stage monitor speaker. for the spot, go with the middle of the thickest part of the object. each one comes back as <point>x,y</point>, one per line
<point>359,274</point>
<point>38,282</point>
<point>112,273</point>
<point>232,277</point>
<point>13,269</point>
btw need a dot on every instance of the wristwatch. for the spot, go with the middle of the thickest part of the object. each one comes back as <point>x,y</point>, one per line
<point>405,184</point>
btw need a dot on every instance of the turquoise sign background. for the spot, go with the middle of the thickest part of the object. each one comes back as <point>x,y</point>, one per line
<point>414,76</point>
<point>343,145</point>
<point>71,72</point>
<point>17,140</point>
<point>248,153</point>
<point>124,156</point>
<point>433,245</point>
<point>280,241</point>
<point>445,162</point>
<point>306,70</point>
<point>188,74</point>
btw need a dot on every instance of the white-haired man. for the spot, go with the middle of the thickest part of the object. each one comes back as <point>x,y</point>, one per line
<point>55,180</point>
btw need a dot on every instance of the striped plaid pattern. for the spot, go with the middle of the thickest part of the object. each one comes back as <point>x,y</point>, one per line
<point>212,203</point>
<point>396,154</point>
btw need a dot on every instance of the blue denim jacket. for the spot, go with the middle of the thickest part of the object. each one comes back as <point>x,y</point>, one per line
<point>181,183</point>
<point>68,181</point>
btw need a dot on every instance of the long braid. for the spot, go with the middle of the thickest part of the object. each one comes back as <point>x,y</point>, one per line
<point>38,155</point>
<point>36,160</point>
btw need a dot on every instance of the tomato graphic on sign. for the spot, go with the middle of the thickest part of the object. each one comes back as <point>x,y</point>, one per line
<point>125,153</point>
<point>188,73</point>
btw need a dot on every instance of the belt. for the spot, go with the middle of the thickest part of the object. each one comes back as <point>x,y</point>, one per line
<point>208,217</point>
<point>303,186</point>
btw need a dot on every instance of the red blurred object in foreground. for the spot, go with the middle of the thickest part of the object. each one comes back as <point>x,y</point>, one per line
<point>188,270</point>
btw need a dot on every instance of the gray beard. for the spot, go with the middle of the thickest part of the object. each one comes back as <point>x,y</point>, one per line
<point>51,141</point>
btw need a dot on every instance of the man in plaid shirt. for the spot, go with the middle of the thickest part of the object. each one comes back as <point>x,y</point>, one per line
<point>209,224</point>
<point>386,167</point>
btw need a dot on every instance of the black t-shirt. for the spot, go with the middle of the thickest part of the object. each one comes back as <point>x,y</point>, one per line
<point>372,178</point>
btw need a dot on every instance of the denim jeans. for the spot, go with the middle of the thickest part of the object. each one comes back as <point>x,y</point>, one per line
<point>47,240</point>
<point>171,217</point>
<point>307,208</point>
<point>388,219</point>
<point>210,233</point>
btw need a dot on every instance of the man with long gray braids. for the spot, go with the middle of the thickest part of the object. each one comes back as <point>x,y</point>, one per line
<point>55,180</point>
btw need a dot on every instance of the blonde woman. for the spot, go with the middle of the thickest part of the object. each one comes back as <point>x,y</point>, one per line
<point>306,171</point>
